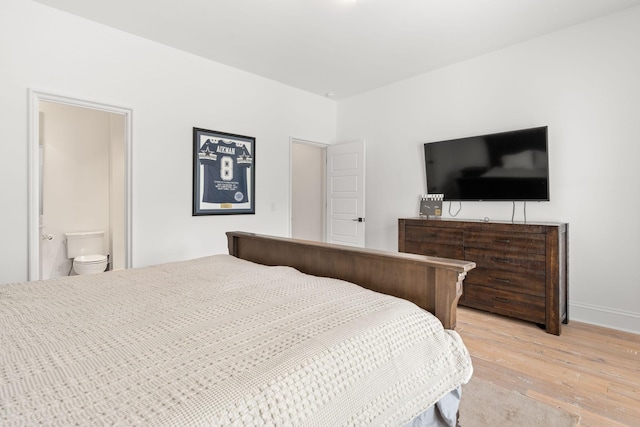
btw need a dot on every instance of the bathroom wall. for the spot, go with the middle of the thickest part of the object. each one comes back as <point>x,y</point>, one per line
<point>76,176</point>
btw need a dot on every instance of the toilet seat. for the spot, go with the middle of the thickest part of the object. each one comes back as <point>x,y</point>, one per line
<point>90,264</point>
<point>91,259</point>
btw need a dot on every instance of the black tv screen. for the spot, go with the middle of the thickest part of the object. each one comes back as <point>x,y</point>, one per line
<point>507,166</point>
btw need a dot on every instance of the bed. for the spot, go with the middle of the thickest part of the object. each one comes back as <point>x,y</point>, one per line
<point>275,333</point>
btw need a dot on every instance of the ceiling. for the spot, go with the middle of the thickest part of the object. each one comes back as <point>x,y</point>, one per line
<point>339,47</point>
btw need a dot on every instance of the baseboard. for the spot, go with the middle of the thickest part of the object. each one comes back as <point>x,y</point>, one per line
<point>604,316</point>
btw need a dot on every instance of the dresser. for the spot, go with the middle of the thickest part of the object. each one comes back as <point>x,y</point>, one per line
<point>521,268</point>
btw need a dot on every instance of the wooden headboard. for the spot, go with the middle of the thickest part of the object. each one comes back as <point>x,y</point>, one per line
<point>435,284</point>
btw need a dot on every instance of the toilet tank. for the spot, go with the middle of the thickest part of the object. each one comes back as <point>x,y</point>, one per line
<point>85,243</point>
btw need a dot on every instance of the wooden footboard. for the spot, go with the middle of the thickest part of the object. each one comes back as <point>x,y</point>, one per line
<point>435,284</point>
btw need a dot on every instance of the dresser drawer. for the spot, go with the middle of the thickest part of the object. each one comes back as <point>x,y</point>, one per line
<point>434,249</point>
<point>532,243</point>
<point>531,283</point>
<point>528,264</point>
<point>440,235</point>
<point>514,304</point>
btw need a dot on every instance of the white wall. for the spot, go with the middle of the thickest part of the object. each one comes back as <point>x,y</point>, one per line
<point>584,83</point>
<point>170,92</point>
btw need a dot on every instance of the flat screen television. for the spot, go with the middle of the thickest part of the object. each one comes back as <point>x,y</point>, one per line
<point>506,166</point>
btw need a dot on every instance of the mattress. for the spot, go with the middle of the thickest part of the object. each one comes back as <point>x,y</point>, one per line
<point>219,341</point>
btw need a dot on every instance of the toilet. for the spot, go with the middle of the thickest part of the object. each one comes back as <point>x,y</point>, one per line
<point>87,250</point>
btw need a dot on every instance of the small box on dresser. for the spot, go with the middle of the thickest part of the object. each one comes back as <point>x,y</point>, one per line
<point>521,267</point>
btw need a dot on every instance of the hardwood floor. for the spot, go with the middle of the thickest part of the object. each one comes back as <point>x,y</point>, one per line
<point>590,371</point>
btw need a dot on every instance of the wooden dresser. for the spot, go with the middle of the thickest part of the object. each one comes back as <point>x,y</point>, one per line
<point>521,268</point>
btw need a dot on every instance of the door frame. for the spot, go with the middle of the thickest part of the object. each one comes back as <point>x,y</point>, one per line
<point>34,174</point>
<point>323,146</point>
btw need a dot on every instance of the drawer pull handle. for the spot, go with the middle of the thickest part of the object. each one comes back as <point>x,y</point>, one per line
<point>502,241</point>
<point>500,279</point>
<point>503,260</point>
<point>500,299</point>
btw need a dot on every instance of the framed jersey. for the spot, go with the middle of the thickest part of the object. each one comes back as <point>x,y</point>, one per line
<point>223,173</point>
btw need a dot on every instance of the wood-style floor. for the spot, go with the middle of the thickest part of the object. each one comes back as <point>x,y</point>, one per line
<point>590,371</point>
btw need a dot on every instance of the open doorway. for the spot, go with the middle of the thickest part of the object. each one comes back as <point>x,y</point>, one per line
<point>308,190</point>
<point>327,192</point>
<point>79,180</point>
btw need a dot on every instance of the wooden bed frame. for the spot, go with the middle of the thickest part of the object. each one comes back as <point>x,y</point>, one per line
<point>435,284</point>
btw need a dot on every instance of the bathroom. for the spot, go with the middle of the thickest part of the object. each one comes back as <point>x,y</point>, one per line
<point>82,161</point>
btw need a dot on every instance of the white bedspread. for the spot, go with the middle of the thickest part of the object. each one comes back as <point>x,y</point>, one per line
<point>218,341</point>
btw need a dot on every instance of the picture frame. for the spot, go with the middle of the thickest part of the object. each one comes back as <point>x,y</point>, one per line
<point>223,173</point>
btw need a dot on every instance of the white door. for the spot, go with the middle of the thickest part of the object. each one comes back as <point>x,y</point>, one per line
<point>345,194</point>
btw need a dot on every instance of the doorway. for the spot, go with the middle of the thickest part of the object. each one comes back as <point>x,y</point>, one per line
<point>79,180</point>
<point>308,190</point>
<point>327,192</point>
